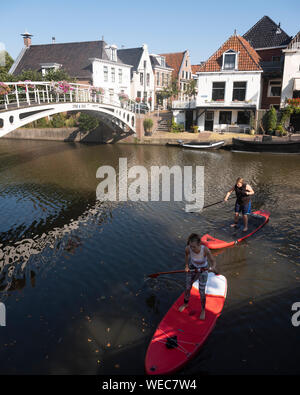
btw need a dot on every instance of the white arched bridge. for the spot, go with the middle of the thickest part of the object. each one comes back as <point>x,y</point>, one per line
<point>26,101</point>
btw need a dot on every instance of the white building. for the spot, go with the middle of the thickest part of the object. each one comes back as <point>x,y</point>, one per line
<point>229,89</point>
<point>142,77</point>
<point>291,73</point>
<point>112,74</point>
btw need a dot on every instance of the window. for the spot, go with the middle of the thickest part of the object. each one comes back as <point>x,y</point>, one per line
<point>157,75</point>
<point>239,91</point>
<point>183,74</point>
<point>105,71</point>
<point>162,79</point>
<point>229,60</point>
<point>276,58</point>
<point>225,117</point>
<point>163,61</point>
<point>274,89</point>
<point>113,75</point>
<point>218,91</point>
<point>120,76</point>
<point>148,79</point>
<point>243,118</point>
<point>142,78</point>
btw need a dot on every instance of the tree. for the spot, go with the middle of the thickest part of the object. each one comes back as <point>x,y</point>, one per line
<point>191,88</point>
<point>272,120</point>
<point>87,123</point>
<point>4,69</point>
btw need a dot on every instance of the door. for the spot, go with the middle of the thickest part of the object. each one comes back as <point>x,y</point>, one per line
<point>209,121</point>
<point>188,119</point>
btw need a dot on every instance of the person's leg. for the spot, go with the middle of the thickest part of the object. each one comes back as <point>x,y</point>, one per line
<point>190,278</point>
<point>202,285</point>
<point>236,215</point>
<point>236,220</point>
<point>245,219</point>
<point>246,210</point>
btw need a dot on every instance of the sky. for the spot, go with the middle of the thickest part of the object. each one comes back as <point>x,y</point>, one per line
<point>165,25</point>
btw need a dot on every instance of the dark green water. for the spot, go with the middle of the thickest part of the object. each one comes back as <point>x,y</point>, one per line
<point>73,271</point>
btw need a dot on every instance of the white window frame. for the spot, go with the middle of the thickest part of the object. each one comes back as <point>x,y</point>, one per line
<point>105,73</point>
<point>230,52</point>
<point>269,87</point>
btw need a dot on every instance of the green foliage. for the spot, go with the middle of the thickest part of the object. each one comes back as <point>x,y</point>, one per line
<point>58,75</point>
<point>271,120</point>
<point>148,124</point>
<point>87,122</point>
<point>176,127</point>
<point>42,123</point>
<point>57,121</point>
<point>252,120</point>
<point>191,88</point>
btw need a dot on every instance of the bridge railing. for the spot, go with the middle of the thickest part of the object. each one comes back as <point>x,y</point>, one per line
<point>28,93</point>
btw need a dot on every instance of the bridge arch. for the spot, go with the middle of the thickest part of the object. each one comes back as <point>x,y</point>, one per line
<point>17,114</point>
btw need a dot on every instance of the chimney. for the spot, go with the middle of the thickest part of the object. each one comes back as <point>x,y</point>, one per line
<point>27,39</point>
<point>53,40</point>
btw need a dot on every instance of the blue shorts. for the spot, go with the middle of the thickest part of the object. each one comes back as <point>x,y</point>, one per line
<point>245,209</point>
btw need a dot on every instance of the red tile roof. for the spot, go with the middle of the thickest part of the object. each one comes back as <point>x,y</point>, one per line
<point>174,60</point>
<point>248,59</point>
<point>195,68</point>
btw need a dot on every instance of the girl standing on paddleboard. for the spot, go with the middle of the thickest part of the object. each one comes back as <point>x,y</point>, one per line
<point>199,259</point>
<point>243,192</point>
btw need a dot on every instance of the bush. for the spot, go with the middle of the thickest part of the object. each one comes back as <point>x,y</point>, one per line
<point>176,127</point>
<point>271,120</point>
<point>57,121</point>
<point>87,122</point>
<point>42,123</point>
<point>148,124</point>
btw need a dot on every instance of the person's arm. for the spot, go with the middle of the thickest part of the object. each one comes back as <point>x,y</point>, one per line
<point>249,190</point>
<point>187,255</point>
<point>211,260</point>
<point>228,194</point>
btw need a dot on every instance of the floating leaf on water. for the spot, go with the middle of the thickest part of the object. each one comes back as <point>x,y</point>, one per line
<point>108,345</point>
<point>90,340</point>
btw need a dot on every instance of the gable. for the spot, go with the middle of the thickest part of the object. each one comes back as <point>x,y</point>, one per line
<point>248,58</point>
<point>267,34</point>
<point>174,60</point>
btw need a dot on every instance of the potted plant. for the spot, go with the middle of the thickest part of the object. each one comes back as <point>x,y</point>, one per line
<point>138,99</point>
<point>148,124</point>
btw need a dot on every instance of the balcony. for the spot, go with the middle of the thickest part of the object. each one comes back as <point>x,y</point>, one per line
<point>225,104</point>
<point>183,104</point>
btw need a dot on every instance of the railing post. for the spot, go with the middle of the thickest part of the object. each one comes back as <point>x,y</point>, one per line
<point>17,95</point>
<point>47,93</point>
<point>27,95</point>
<point>38,96</point>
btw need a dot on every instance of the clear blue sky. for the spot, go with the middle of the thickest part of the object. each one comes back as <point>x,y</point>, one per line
<point>165,25</point>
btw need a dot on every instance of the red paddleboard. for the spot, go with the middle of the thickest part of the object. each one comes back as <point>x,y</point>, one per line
<point>227,236</point>
<point>179,336</point>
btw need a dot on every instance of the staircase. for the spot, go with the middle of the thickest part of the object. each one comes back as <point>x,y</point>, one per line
<point>164,121</point>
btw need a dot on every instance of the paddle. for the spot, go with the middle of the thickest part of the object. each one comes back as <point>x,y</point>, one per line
<point>155,275</point>
<point>214,204</point>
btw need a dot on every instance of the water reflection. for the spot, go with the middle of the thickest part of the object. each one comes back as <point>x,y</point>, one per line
<point>82,265</point>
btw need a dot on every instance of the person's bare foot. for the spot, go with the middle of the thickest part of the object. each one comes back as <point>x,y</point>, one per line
<point>245,229</point>
<point>202,315</point>
<point>182,307</point>
<point>233,225</point>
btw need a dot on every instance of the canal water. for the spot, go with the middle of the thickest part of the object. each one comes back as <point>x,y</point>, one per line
<point>73,270</point>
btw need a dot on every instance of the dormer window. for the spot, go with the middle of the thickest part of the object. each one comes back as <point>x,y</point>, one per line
<point>230,60</point>
<point>112,52</point>
<point>47,67</point>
